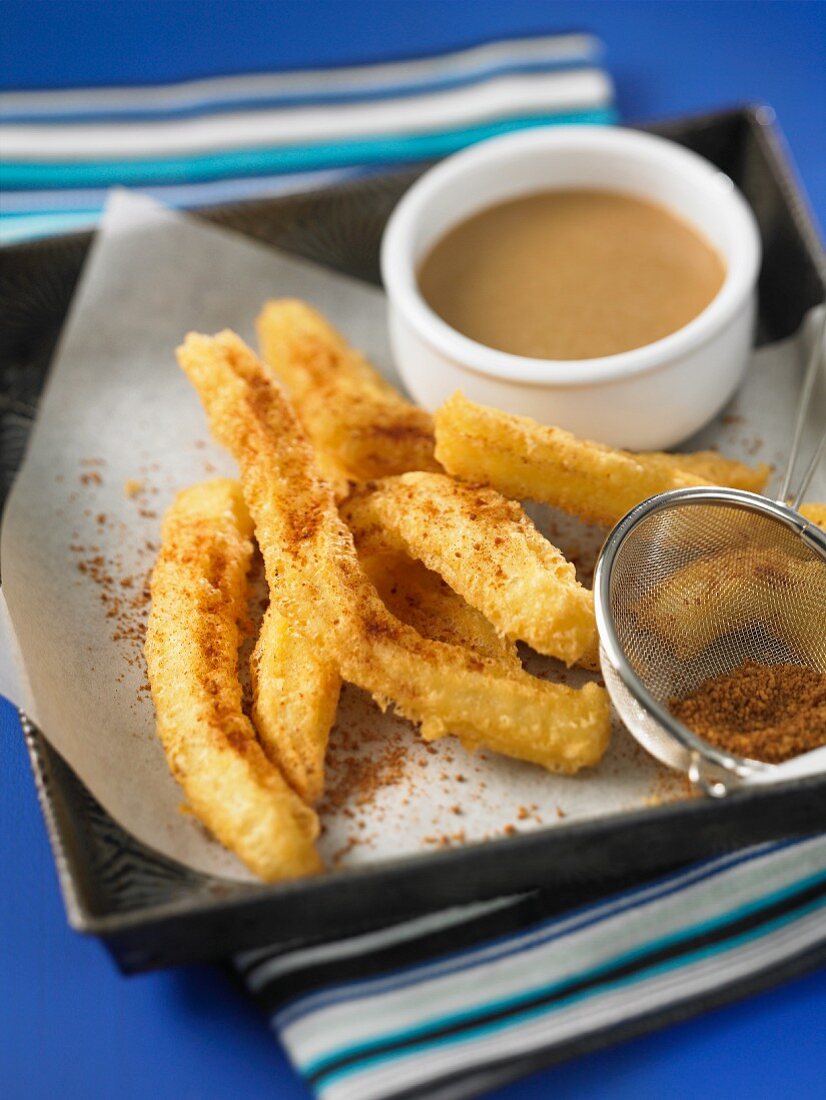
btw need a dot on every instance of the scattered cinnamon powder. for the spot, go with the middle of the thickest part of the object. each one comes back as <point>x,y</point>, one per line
<point>122,592</point>
<point>355,776</point>
<point>763,712</point>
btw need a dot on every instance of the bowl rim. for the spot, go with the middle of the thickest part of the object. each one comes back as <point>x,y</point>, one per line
<point>400,236</point>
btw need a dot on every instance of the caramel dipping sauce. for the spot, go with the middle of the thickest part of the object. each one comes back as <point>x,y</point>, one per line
<point>570,274</point>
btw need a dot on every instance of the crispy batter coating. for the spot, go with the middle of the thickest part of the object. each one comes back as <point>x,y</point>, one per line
<point>295,695</point>
<point>419,597</point>
<point>815,512</point>
<point>527,460</point>
<point>713,467</point>
<point>199,592</point>
<point>489,551</point>
<point>318,585</point>
<point>359,424</point>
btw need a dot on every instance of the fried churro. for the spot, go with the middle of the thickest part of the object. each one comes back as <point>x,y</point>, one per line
<point>295,695</point>
<point>488,551</point>
<point>359,424</point>
<point>527,460</point>
<point>199,593</point>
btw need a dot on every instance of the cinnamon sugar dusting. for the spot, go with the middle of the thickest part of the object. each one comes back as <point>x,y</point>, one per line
<point>115,566</point>
<point>360,763</point>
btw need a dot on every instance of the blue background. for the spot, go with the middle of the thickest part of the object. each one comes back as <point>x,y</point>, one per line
<point>69,1024</point>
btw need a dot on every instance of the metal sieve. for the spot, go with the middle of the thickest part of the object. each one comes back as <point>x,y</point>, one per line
<point>691,584</point>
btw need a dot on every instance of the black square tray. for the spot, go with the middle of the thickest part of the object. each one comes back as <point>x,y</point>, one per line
<point>152,912</point>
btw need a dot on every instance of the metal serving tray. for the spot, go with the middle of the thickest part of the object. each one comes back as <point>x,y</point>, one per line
<point>152,912</point>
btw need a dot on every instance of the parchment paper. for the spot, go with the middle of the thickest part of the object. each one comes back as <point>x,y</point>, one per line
<point>118,433</point>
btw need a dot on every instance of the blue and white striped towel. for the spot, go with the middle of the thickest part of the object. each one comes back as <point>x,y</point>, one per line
<point>451,1005</point>
<point>212,141</point>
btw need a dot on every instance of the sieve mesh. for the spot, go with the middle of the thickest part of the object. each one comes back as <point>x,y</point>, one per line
<point>698,587</point>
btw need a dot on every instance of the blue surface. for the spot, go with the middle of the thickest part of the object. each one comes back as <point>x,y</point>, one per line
<point>69,1024</point>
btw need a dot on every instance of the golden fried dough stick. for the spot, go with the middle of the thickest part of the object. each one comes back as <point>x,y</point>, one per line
<point>743,585</point>
<point>295,695</point>
<point>526,460</point>
<point>199,592</point>
<point>814,512</point>
<point>419,597</point>
<point>523,459</point>
<point>712,467</point>
<point>489,551</point>
<point>318,585</point>
<point>360,425</point>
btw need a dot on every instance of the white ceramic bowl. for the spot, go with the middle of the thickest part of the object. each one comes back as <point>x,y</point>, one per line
<point>647,398</point>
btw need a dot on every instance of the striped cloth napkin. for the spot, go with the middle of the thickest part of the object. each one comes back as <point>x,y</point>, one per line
<point>211,141</point>
<point>451,1005</point>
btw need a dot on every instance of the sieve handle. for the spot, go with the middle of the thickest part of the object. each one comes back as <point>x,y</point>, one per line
<point>805,404</point>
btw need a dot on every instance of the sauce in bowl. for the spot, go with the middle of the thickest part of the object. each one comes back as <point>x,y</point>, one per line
<point>570,274</point>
